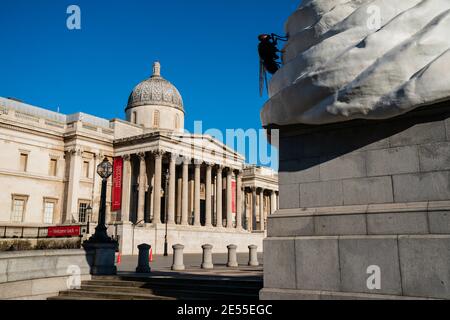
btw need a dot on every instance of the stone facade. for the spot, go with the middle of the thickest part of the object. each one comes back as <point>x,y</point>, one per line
<point>362,194</point>
<point>194,182</point>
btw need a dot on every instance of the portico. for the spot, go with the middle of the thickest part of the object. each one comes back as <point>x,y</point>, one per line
<point>216,194</point>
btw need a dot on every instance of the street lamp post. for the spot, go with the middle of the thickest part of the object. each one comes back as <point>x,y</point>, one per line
<point>166,245</point>
<point>104,170</point>
<point>88,214</point>
<point>100,247</point>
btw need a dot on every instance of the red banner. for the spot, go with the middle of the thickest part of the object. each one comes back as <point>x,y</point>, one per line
<point>67,231</point>
<point>117,184</point>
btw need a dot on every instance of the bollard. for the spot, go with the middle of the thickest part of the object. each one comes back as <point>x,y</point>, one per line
<point>207,257</point>
<point>232,258</point>
<point>253,256</point>
<point>178,264</point>
<point>143,265</point>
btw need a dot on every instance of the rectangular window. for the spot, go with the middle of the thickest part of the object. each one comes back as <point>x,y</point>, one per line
<point>52,171</point>
<point>82,209</point>
<point>18,208</point>
<point>23,162</point>
<point>156,116</point>
<point>86,169</point>
<point>49,211</point>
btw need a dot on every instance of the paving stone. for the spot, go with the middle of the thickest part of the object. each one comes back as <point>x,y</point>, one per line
<point>420,133</point>
<point>345,224</point>
<point>289,196</point>
<point>368,191</point>
<point>279,263</point>
<point>342,167</point>
<point>397,223</point>
<point>317,262</point>
<point>425,265</point>
<point>321,194</point>
<point>431,186</point>
<point>392,161</point>
<point>439,222</point>
<point>357,254</point>
<point>434,157</point>
<point>290,226</point>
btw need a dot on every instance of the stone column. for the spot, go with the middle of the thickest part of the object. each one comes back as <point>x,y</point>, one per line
<point>253,256</point>
<point>179,199</point>
<point>143,265</point>
<point>207,262</point>
<point>229,199</point>
<point>232,256</point>
<point>157,188</point>
<point>278,200</point>
<point>96,189</point>
<point>219,197</point>
<point>239,200</point>
<point>208,211</point>
<point>185,193</point>
<point>73,185</point>
<point>172,180</point>
<point>273,202</point>
<point>126,188</point>
<point>142,186</point>
<point>178,263</point>
<point>253,215</point>
<point>261,210</point>
<point>197,193</point>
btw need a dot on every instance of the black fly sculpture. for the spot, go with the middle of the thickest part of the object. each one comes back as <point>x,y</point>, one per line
<point>268,57</point>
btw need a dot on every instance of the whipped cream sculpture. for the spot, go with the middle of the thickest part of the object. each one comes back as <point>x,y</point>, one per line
<point>361,59</point>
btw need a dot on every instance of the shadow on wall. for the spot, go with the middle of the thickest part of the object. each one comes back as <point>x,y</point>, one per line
<point>306,146</point>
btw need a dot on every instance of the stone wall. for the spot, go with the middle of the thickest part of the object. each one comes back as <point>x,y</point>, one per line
<point>361,194</point>
<point>405,159</point>
<point>39,274</point>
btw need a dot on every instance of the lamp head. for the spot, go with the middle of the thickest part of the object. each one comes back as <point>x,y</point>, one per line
<point>105,169</point>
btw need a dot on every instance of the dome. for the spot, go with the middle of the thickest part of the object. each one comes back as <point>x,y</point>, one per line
<point>155,91</point>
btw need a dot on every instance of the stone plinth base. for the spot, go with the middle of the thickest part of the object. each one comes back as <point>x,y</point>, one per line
<point>362,196</point>
<point>190,236</point>
<point>103,257</point>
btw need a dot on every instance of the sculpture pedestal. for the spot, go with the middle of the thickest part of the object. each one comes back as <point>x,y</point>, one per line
<point>362,196</point>
<point>103,257</point>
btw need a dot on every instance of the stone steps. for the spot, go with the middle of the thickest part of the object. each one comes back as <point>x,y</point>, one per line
<point>87,294</point>
<point>181,287</point>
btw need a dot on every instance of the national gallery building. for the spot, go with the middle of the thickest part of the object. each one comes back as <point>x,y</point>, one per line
<point>201,188</point>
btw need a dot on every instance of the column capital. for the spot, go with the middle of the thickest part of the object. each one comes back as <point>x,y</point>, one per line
<point>157,153</point>
<point>173,156</point>
<point>197,163</point>
<point>219,167</point>
<point>75,151</point>
<point>186,160</point>
<point>209,165</point>
<point>126,157</point>
<point>141,155</point>
<point>253,189</point>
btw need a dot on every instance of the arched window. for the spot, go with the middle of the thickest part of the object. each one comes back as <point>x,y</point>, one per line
<point>134,117</point>
<point>177,122</point>
<point>156,119</point>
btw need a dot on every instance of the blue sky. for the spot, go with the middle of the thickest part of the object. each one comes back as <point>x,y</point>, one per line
<point>207,48</point>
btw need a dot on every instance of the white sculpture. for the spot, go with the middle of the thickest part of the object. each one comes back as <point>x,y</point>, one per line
<point>361,59</point>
